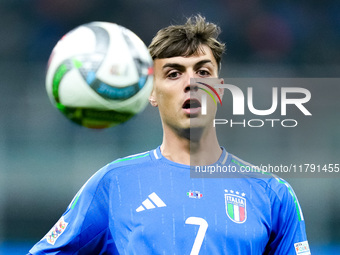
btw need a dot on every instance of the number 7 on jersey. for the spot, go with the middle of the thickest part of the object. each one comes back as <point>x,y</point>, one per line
<point>200,234</point>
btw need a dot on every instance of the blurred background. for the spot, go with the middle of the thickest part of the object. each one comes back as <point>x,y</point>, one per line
<point>45,159</point>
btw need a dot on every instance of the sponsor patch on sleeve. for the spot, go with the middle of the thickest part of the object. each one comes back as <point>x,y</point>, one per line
<point>302,248</point>
<point>56,231</point>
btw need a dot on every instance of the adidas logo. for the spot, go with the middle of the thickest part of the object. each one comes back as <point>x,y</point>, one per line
<point>151,202</point>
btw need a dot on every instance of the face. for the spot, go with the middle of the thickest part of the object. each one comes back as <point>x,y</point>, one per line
<point>179,102</point>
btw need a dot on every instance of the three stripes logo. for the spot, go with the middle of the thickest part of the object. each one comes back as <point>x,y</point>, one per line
<point>151,202</point>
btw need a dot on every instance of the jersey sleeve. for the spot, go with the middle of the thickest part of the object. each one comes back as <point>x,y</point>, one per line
<point>83,228</point>
<point>288,235</point>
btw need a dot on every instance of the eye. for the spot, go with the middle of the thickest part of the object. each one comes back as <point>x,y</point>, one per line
<point>173,74</point>
<point>203,73</point>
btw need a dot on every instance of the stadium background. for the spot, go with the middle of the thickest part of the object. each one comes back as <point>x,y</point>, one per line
<point>44,158</point>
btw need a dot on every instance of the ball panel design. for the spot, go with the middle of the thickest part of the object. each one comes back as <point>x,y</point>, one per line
<point>105,81</point>
<point>92,118</point>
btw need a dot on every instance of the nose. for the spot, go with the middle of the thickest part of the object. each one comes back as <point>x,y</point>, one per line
<point>191,85</point>
<point>191,88</point>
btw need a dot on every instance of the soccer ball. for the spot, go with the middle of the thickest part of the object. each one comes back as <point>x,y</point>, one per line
<point>99,75</point>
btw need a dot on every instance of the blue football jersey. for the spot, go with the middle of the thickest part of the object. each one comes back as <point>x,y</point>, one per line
<point>147,204</point>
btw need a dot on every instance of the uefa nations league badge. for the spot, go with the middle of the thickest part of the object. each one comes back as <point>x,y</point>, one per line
<point>235,205</point>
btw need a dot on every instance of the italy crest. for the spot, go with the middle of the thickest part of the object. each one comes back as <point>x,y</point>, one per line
<point>235,206</point>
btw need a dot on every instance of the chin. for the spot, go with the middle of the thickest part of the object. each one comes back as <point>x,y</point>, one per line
<point>194,123</point>
<point>201,122</point>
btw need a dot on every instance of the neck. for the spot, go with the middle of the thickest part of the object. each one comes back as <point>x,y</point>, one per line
<point>191,147</point>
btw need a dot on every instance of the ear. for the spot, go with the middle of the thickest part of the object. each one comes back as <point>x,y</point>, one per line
<point>152,99</point>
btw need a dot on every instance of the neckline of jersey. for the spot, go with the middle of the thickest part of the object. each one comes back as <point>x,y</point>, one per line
<point>156,154</point>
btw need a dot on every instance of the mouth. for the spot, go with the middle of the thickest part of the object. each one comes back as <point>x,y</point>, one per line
<point>191,103</point>
<point>192,106</point>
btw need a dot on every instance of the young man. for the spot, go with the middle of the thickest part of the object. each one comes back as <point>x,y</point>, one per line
<point>148,204</point>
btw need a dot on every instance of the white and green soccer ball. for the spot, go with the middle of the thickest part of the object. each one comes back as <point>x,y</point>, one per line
<point>99,75</point>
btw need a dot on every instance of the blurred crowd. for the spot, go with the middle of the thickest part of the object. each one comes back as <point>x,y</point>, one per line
<point>256,31</point>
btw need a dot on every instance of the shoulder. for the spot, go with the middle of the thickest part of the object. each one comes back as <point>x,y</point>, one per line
<point>135,162</point>
<point>122,165</point>
<point>134,159</point>
<point>101,181</point>
<point>106,174</point>
<point>273,184</point>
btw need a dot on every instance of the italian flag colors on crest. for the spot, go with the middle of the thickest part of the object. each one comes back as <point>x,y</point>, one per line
<point>236,208</point>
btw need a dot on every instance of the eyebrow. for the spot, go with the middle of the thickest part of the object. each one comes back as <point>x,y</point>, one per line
<point>202,62</point>
<point>174,65</point>
<point>182,67</point>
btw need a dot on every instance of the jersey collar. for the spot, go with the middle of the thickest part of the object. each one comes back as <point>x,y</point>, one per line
<point>156,154</point>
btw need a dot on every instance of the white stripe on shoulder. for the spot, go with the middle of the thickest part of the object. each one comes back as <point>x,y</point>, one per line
<point>155,154</point>
<point>242,161</point>
<point>225,158</point>
<point>136,155</point>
